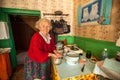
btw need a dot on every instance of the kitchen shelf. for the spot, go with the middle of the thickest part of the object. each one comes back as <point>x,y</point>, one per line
<point>55,14</point>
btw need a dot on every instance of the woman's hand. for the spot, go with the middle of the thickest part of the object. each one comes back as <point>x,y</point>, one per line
<point>52,55</point>
<point>58,55</point>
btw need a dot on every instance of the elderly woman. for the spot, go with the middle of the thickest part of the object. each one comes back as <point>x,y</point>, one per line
<point>42,47</point>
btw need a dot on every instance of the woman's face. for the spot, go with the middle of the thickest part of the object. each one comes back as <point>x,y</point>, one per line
<point>44,27</point>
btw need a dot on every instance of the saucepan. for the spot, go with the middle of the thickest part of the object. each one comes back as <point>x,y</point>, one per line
<point>72,58</point>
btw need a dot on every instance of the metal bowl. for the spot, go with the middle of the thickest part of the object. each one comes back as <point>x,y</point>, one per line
<point>57,61</point>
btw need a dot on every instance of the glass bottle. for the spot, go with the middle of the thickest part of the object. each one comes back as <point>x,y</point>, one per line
<point>104,54</point>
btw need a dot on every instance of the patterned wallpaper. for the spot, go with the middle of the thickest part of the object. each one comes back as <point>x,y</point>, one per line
<point>99,32</point>
<point>45,6</point>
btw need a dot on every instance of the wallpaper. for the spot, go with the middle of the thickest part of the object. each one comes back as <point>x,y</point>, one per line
<point>99,32</point>
<point>45,6</point>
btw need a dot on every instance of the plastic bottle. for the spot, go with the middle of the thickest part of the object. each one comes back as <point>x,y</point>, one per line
<point>104,54</point>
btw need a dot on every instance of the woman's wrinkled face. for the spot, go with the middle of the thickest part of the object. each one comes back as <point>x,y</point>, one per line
<point>44,27</point>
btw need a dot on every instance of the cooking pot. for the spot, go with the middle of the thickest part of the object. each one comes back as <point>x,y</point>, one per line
<point>72,58</point>
<point>58,12</point>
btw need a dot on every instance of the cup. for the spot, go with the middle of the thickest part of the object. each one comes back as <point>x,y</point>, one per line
<point>88,54</point>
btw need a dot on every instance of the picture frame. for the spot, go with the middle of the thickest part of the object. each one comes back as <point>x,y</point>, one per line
<point>91,12</point>
<point>95,12</point>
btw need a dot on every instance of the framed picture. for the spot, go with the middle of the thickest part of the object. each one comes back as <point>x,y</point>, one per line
<point>95,12</point>
<point>91,12</point>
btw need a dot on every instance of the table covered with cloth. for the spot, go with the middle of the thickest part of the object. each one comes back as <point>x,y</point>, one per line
<point>5,66</point>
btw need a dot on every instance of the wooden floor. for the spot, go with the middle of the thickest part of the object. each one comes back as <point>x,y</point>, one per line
<point>18,73</point>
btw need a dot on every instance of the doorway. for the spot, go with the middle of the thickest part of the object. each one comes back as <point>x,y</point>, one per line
<point>4,16</point>
<point>22,29</point>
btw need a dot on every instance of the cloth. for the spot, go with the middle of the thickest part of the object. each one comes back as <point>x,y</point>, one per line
<point>39,49</point>
<point>47,40</point>
<point>33,70</point>
<point>97,70</point>
<point>115,66</point>
<point>5,66</point>
<point>106,72</point>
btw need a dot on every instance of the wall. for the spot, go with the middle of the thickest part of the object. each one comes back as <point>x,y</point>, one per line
<point>95,46</point>
<point>45,6</point>
<point>96,37</point>
<point>99,32</point>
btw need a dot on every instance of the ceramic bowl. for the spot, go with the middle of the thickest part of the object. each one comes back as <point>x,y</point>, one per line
<point>72,58</point>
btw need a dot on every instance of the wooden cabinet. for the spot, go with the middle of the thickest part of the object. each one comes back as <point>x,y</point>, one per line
<point>5,66</point>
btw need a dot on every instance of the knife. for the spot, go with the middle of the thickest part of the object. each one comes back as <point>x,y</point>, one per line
<point>82,69</point>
